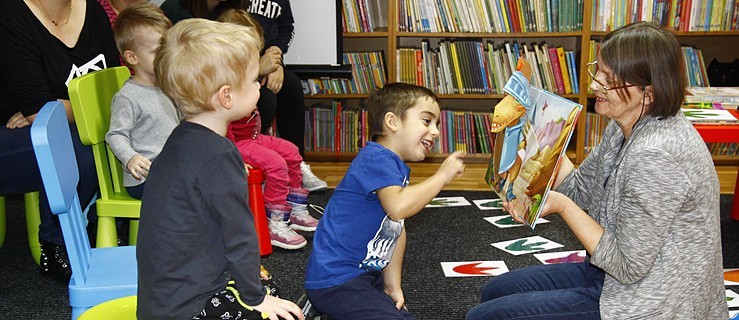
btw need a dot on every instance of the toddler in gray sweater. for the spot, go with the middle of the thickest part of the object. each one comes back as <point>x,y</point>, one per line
<point>141,115</point>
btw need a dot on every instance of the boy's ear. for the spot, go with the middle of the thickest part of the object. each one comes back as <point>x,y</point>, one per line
<point>224,96</point>
<point>130,57</point>
<point>391,121</point>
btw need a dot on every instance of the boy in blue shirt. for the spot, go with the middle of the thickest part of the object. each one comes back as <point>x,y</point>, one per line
<point>354,270</point>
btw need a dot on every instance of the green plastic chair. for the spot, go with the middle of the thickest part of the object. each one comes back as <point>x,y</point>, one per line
<point>116,309</point>
<point>33,220</point>
<point>91,96</point>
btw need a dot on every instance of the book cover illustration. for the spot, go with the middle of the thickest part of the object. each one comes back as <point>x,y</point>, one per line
<point>532,128</point>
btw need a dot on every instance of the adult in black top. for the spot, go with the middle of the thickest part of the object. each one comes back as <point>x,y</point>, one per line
<point>281,95</point>
<point>45,44</point>
<point>198,198</point>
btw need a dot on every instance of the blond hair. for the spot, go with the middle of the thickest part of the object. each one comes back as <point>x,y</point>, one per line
<point>197,57</point>
<point>138,18</point>
<point>241,17</point>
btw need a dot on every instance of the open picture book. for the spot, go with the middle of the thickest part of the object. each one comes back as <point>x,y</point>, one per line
<point>528,145</point>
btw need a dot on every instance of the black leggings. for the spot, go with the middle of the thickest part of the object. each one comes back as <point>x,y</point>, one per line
<point>288,106</point>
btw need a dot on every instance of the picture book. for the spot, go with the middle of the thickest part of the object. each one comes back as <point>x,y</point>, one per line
<point>532,128</point>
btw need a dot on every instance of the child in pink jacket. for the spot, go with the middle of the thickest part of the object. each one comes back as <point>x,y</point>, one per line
<point>284,198</point>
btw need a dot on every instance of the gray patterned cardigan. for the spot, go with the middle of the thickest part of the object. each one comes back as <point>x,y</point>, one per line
<point>657,197</point>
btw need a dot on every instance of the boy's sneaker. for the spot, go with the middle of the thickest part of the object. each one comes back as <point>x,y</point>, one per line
<point>284,237</point>
<point>310,181</point>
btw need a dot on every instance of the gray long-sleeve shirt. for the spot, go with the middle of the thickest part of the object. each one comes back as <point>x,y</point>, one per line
<point>141,119</point>
<point>657,196</point>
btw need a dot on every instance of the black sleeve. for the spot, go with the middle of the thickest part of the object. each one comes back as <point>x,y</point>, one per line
<point>36,67</point>
<point>285,28</point>
<point>174,11</point>
<point>227,202</point>
<point>22,74</point>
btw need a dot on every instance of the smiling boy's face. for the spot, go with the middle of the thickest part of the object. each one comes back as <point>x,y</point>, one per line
<point>415,135</point>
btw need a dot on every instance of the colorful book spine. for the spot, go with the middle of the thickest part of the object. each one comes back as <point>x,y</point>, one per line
<point>556,70</point>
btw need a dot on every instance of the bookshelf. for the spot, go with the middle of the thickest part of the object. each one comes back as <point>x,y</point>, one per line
<point>712,43</point>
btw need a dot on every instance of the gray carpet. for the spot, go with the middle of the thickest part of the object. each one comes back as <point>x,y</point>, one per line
<point>434,235</point>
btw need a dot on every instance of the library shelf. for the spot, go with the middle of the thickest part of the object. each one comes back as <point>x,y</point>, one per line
<point>389,40</point>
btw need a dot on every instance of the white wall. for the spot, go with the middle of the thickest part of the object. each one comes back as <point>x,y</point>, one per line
<point>315,33</point>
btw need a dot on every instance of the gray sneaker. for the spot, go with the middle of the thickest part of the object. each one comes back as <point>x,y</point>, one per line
<point>310,181</point>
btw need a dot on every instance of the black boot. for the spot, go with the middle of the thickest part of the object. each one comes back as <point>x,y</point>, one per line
<point>55,262</point>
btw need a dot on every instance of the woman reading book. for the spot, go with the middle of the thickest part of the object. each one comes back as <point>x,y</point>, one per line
<point>644,203</point>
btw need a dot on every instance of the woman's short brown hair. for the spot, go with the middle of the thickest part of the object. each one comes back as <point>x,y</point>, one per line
<point>643,54</point>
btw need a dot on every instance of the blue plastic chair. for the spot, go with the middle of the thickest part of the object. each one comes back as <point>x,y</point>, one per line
<point>98,275</point>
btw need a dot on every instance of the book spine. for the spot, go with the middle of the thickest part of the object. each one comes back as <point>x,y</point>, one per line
<point>563,68</point>
<point>556,70</point>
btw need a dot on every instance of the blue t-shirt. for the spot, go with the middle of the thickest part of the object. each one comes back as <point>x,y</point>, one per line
<point>355,235</point>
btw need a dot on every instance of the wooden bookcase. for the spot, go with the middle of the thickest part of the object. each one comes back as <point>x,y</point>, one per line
<point>714,44</point>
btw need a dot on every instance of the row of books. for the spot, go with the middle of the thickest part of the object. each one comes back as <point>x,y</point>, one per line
<point>489,15</point>
<point>695,67</point>
<point>368,73</point>
<point>681,15</point>
<point>364,15</point>
<point>334,128</point>
<point>712,97</point>
<point>477,67</point>
<point>723,149</point>
<point>595,125</point>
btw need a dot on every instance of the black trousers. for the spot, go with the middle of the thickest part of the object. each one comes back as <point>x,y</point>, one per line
<point>288,107</point>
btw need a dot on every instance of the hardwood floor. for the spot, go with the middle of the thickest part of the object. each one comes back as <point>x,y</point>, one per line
<point>332,172</point>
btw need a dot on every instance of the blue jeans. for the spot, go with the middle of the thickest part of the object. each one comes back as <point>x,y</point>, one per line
<point>556,291</point>
<point>361,298</point>
<point>19,173</point>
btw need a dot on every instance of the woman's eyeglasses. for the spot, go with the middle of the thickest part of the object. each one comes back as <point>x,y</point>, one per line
<point>593,70</point>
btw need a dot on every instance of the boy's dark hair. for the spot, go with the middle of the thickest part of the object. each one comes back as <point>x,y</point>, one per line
<point>394,97</point>
<point>644,54</point>
<point>135,19</point>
